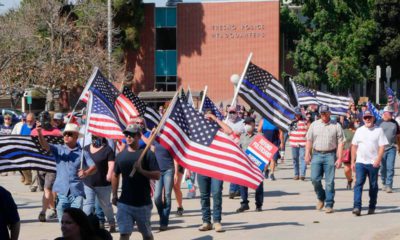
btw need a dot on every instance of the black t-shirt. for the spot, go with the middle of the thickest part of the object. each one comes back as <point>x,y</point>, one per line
<point>8,212</point>
<point>135,190</point>
<point>101,159</point>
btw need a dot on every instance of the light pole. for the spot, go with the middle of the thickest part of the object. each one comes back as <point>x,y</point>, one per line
<point>378,76</point>
<point>388,76</point>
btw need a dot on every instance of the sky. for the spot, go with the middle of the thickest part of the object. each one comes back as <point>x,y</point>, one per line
<point>8,4</point>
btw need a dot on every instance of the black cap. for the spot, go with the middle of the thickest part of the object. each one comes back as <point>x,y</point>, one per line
<point>249,120</point>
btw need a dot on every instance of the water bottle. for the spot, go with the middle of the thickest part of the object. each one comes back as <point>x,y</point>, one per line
<point>189,183</point>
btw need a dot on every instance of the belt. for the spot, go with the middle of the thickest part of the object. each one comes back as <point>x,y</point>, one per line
<point>324,152</point>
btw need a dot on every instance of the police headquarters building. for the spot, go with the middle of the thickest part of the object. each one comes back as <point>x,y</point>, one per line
<point>203,43</point>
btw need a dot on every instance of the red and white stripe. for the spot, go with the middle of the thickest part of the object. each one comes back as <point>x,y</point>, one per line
<point>297,138</point>
<point>125,109</point>
<point>223,159</point>
<point>104,126</point>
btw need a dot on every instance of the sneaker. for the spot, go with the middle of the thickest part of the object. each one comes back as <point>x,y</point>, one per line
<point>296,178</point>
<point>389,190</point>
<point>371,211</point>
<point>328,210</point>
<point>272,177</point>
<point>266,174</point>
<point>205,227</point>
<point>163,228</point>
<point>179,211</point>
<point>218,227</point>
<point>302,178</point>
<point>320,205</point>
<point>112,228</point>
<point>258,209</point>
<point>33,188</point>
<point>357,211</point>
<point>42,217</point>
<point>52,215</point>
<point>242,208</point>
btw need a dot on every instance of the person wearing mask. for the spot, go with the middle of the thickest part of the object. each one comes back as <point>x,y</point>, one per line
<point>392,133</point>
<point>237,126</point>
<point>134,204</point>
<point>9,217</point>
<point>245,140</point>
<point>325,140</point>
<point>99,184</point>
<point>297,140</point>
<point>70,171</point>
<point>46,179</point>
<point>58,121</point>
<point>368,146</point>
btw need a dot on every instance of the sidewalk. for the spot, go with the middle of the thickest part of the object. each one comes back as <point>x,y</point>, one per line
<point>288,213</point>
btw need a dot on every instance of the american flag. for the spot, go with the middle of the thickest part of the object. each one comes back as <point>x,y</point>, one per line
<point>392,99</point>
<point>120,105</point>
<point>338,105</point>
<point>374,111</point>
<point>24,152</point>
<point>208,104</point>
<point>198,145</point>
<point>102,121</point>
<point>151,116</point>
<point>266,94</point>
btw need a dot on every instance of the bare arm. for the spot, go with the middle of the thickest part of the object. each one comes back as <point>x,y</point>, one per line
<point>307,155</point>
<point>42,140</point>
<point>223,125</point>
<point>154,175</point>
<point>339,155</point>
<point>114,186</point>
<point>260,124</point>
<point>14,230</point>
<point>110,170</point>
<point>378,160</point>
<point>353,156</point>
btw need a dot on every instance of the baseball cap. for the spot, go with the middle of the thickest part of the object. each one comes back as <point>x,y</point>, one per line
<point>367,114</point>
<point>58,116</point>
<point>133,128</point>
<point>388,109</point>
<point>297,111</point>
<point>232,109</point>
<point>324,109</point>
<point>249,120</point>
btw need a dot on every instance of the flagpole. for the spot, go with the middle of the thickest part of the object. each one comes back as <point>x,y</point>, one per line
<point>240,82</point>
<point>203,98</point>
<point>154,134</point>
<point>88,111</point>
<point>295,91</point>
<point>92,76</point>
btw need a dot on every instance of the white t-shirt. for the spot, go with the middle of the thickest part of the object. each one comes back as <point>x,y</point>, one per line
<point>368,141</point>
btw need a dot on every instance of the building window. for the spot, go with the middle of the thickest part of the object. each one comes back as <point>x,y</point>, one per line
<point>166,63</point>
<point>166,17</point>
<point>166,83</point>
<point>166,39</point>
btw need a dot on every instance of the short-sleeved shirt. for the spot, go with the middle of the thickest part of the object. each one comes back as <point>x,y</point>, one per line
<point>51,132</point>
<point>164,159</point>
<point>391,130</point>
<point>368,141</point>
<point>136,189</point>
<point>297,134</point>
<point>67,164</point>
<point>325,136</point>
<point>237,125</point>
<point>270,132</point>
<point>8,212</point>
<point>100,159</point>
<point>5,130</point>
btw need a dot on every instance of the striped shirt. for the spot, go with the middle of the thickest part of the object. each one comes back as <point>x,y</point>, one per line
<point>297,134</point>
<point>325,136</point>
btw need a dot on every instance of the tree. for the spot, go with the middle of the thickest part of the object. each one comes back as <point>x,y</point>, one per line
<point>334,48</point>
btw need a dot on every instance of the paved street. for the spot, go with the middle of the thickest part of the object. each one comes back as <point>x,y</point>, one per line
<point>288,213</point>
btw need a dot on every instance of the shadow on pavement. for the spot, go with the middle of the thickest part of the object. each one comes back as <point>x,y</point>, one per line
<point>278,193</point>
<point>263,225</point>
<point>295,208</point>
<point>208,237</point>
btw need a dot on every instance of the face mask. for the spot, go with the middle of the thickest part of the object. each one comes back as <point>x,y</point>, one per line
<point>356,125</point>
<point>232,116</point>
<point>248,128</point>
<point>97,142</point>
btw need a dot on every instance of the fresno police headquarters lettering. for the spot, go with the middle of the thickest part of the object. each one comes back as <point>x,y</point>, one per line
<point>237,31</point>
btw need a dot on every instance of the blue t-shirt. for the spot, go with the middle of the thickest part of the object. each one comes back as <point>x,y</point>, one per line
<point>270,132</point>
<point>163,157</point>
<point>68,163</point>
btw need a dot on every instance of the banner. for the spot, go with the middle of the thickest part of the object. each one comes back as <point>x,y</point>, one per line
<point>261,151</point>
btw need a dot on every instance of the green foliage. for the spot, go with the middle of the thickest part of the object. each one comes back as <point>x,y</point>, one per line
<point>129,17</point>
<point>333,49</point>
<point>290,26</point>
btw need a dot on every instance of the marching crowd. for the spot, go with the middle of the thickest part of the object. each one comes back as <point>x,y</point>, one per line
<point>89,168</point>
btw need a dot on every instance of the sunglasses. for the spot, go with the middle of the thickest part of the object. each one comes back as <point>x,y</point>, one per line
<point>7,118</point>
<point>367,118</point>
<point>232,112</point>
<point>69,134</point>
<point>131,135</point>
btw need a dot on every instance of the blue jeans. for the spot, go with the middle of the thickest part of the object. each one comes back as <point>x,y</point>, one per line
<point>65,202</point>
<point>104,195</point>
<point>207,187</point>
<point>165,182</point>
<point>387,169</point>
<point>299,163</point>
<point>233,188</point>
<point>324,163</point>
<point>259,195</point>
<point>99,211</point>
<point>362,171</point>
